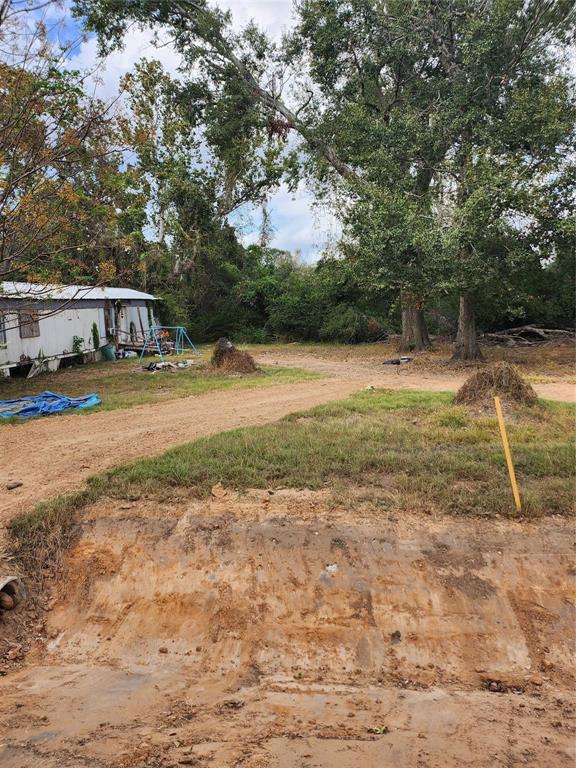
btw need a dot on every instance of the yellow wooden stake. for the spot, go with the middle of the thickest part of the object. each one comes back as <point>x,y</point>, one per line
<point>504,437</point>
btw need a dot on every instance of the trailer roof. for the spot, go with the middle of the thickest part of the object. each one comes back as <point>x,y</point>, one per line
<point>38,292</point>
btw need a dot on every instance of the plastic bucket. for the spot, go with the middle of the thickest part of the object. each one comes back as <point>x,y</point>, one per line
<point>108,352</point>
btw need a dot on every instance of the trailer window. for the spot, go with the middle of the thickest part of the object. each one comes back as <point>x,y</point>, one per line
<point>2,329</point>
<point>29,325</point>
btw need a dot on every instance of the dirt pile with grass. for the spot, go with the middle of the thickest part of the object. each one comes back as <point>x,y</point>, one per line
<point>228,359</point>
<point>501,379</point>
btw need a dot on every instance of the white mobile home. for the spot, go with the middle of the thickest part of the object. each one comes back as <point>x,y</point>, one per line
<point>40,323</point>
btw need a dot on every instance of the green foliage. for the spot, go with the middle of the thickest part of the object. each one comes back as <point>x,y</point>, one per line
<point>77,345</point>
<point>447,129</point>
<point>95,336</point>
<point>346,324</point>
<point>62,184</point>
<point>202,152</point>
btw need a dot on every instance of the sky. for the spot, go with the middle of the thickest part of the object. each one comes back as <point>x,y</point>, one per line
<point>297,225</point>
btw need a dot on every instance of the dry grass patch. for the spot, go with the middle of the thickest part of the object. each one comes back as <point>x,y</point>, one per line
<point>501,379</point>
<point>538,363</point>
<point>226,358</point>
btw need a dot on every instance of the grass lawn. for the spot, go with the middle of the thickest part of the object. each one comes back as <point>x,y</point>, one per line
<point>123,384</point>
<point>400,450</point>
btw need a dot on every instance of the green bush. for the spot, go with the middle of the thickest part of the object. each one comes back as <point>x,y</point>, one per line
<point>253,336</point>
<point>77,344</point>
<point>95,336</point>
<point>348,325</point>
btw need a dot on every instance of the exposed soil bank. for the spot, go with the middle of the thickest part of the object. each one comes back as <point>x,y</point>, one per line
<point>268,630</point>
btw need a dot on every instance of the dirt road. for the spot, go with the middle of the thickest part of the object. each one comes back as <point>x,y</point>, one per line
<point>273,629</point>
<point>400,377</point>
<point>54,455</point>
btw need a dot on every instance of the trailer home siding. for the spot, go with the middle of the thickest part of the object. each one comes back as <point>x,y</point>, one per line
<point>41,322</point>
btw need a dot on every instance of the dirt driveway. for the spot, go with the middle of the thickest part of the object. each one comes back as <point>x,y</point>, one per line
<point>400,377</point>
<point>54,455</point>
<point>272,630</point>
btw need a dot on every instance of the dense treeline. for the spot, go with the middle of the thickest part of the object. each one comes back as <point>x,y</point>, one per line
<point>275,297</point>
<point>445,130</point>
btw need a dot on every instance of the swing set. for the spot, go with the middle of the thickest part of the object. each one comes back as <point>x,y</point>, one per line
<point>158,335</point>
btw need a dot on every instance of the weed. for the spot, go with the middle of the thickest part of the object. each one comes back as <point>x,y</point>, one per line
<point>41,536</point>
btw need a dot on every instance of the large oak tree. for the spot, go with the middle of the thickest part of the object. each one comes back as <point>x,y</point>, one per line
<point>435,117</point>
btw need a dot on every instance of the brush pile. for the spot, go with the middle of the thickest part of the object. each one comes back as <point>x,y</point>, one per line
<point>500,379</point>
<point>228,359</point>
<point>529,336</point>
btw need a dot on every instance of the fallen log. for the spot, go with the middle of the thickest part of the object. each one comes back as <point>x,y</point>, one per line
<point>528,335</point>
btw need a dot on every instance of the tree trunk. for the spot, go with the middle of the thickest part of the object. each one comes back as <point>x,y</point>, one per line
<point>467,347</point>
<point>414,332</point>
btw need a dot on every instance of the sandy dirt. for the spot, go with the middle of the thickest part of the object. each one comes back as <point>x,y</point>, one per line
<point>274,630</point>
<point>271,631</point>
<point>53,455</point>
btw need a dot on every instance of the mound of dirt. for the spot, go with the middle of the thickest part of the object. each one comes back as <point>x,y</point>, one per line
<point>231,360</point>
<point>500,379</point>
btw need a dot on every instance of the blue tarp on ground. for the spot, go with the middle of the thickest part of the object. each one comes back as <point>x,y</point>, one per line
<point>44,404</point>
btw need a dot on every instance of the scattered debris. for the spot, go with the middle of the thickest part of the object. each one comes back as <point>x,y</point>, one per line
<point>497,379</point>
<point>166,365</point>
<point>13,484</point>
<point>231,704</point>
<point>528,336</point>
<point>227,358</point>
<point>163,649</point>
<point>15,653</point>
<point>396,636</point>
<point>499,686</point>
<point>379,730</point>
<point>397,360</point>
<point>162,366</point>
<point>331,568</point>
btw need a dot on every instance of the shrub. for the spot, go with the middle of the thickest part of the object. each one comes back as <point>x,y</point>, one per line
<point>349,325</point>
<point>95,336</point>
<point>77,344</point>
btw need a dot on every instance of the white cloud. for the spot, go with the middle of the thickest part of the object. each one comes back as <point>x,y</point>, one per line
<point>299,223</point>
<point>274,16</point>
